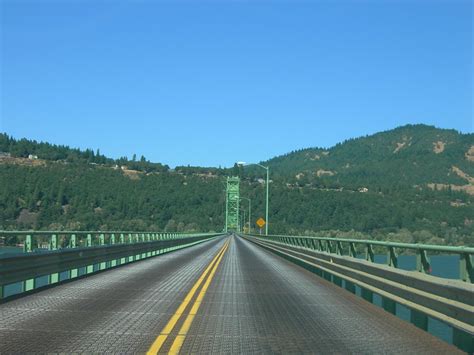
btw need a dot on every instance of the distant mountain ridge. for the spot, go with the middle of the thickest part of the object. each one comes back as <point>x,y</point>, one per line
<point>408,155</point>
<point>414,183</point>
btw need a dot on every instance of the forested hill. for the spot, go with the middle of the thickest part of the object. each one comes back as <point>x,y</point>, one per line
<point>414,184</point>
<point>409,155</point>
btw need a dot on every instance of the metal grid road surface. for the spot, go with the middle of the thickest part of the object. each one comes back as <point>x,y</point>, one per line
<point>120,310</point>
<point>259,302</point>
<point>256,302</point>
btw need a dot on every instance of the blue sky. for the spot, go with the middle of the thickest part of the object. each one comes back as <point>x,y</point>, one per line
<point>212,82</point>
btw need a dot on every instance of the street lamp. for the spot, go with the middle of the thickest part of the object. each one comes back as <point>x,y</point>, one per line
<point>250,211</point>
<point>267,168</point>
<point>242,220</point>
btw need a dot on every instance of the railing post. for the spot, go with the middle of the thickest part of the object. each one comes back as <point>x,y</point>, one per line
<point>130,241</point>
<point>422,265</point>
<point>89,268</point>
<point>423,262</point>
<point>466,271</point>
<point>113,262</point>
<point>328,246</point>
<point>28,248</point>
<point>369,253</point>
<point>149,239</point>
<point>122,241</point>
<point>102,265</point>
<point>73,241</point>
<point>53,245</point>
<point>28,244</point>
<point>175,237</point>
<point>73,273</point>
<point>156,239</point>
<point>137,240</point>
<point>338,250</point>
<point>369,256</point>
<point>352,250</point>
<point>101,239</point>
<point>143,255</point>
<point>321,245</point>
<point>392,258</point>
<point>140,239</point>
<point>152,238</point>
<point>159,246</point>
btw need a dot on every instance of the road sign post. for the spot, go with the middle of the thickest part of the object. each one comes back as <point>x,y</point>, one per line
<point>260,223</point>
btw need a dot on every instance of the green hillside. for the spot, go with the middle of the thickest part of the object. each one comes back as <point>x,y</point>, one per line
<point>409,155</point>
<point>379,186</point>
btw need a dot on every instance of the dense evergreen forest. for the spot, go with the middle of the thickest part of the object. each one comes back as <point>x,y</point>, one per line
<point>412,184</point>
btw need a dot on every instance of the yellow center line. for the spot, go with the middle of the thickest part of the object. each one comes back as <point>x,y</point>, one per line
<point>179,340</point>
<point>159,341</point>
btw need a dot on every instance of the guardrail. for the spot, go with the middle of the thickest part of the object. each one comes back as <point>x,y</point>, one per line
<point>64,255</point>
<point>350,248</point>
<point>426,296</point>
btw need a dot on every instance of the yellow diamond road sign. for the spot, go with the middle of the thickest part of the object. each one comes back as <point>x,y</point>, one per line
<point>260,222</point>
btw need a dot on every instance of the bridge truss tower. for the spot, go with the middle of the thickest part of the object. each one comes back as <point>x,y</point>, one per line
<point>232,204</point>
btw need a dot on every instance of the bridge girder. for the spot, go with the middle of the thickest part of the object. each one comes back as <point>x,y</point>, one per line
<point>232,204</point>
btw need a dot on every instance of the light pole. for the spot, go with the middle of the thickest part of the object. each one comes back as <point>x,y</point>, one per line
<point>242,220</point>
<point>267,168</point>
<point>250,211</point>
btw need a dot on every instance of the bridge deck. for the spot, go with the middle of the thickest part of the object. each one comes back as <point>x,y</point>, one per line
<point>256,302</point>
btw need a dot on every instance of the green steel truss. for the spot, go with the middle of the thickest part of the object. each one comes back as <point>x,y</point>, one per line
<point>232,205</point>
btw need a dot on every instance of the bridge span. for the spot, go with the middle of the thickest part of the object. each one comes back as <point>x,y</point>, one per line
<point>224,295</point>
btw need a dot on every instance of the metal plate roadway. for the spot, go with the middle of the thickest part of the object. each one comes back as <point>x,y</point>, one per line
<point>254,302</point>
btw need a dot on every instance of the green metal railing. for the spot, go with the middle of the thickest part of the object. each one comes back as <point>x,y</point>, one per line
<point>354,247</point>
<point>65,255</point>
<point>339,261</point>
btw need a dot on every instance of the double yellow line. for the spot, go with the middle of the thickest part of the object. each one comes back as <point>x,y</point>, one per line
<point>179,340</point>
